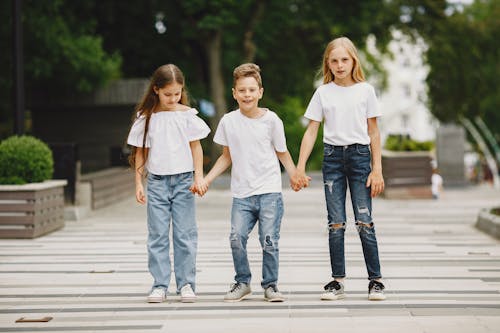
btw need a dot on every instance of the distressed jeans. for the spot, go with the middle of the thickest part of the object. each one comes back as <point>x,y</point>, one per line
<point>170,201</point>
<point>267,209</point>
<point>349,166</point>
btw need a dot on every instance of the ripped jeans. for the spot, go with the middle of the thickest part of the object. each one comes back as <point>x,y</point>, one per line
<point>268,210</point>
<point>343,166</point>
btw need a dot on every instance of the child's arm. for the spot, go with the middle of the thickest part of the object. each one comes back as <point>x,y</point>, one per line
<point>199,186</point>
<point>375,179</point>
<point>139,172</point>
<point>287,161</point>
<point>306,148</point>
<point>222,163</point>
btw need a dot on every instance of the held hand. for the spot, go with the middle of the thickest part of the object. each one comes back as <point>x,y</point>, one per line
<point>376,181</point>
<point>200,186</point>
<point>299,180</point>
<point>139,194</point>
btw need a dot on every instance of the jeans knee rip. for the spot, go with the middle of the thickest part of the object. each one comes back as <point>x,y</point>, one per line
<point>364,227</point>
<point>268,244</point>
<point>236,241</point>
<point>334,227</point>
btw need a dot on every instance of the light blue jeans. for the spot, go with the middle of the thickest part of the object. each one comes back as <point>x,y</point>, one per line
<point>169,200</point>
<point>267,209</point>
<point>349,166</point>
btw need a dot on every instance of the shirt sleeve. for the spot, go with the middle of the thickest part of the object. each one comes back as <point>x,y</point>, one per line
<point>278,135</point>
<point>136,134</point>
<point>220,133</point>
<point>372,109</point>
<point>196,129</point>
<point>314,110</point>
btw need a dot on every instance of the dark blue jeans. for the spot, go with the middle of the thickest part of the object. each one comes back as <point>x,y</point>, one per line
<point>349,166</point>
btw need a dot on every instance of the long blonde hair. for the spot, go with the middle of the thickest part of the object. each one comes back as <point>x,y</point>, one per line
<point>357,72</point>
<point>162,76</point>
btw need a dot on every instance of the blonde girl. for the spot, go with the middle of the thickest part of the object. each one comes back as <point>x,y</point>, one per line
<point>352,158</point>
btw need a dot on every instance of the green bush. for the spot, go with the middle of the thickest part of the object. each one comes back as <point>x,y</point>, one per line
<point>25,159</point>
<point>405,143</point>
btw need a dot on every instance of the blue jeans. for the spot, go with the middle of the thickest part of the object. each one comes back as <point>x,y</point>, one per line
<point>268,210</point>
<point>169,200</point>
<point>342,166</point>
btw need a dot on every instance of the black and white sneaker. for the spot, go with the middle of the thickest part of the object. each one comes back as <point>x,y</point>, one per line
<point>333,291</point>
<point>376,291</point>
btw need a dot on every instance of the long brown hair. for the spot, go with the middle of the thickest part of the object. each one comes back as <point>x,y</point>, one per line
<point>357,72</point>
<point>162,76</point>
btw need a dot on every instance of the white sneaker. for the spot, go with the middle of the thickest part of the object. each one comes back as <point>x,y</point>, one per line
<point>157,295</point>
<point>187,294</point>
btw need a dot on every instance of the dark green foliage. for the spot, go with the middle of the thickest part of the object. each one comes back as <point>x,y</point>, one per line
<point>25,159</point>
<point>405,143</point>
<point>291,112</point>
<point>62,54</point>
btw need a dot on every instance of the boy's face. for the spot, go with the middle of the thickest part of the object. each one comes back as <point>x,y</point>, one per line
<point>247,93</point>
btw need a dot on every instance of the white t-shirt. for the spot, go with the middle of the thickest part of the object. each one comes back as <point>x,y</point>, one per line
<point>345,110</point>
<point>253,143</point>
<point>168,138</point>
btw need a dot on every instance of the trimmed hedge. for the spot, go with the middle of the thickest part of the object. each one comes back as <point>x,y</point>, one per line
<point>25,159</point>
<point>405,143</point>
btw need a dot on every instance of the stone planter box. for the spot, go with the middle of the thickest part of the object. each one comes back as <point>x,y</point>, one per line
<point>31,210</point>
<point>488,223</point>
<point>407,175</point>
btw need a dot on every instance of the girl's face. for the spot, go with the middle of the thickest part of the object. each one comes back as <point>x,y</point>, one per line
<point>341,65</point>
<point>247,93</point>
<point>169,96</point>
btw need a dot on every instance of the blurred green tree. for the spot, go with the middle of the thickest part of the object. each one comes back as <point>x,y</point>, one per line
<point>61,53</point>
<point>463,56</point>
<point>207,39</point>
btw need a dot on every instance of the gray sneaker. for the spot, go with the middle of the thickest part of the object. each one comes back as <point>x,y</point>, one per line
<point>333,291</point>
<point>237,292</point>
<point>272,294</point>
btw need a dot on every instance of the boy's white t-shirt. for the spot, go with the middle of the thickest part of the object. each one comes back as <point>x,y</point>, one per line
<point>253,143</point>
<point>168,138</point>
<point>345,111</point>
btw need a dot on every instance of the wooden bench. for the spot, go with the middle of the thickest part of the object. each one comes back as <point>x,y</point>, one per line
<point>110,185</point>
<point>31,210</point>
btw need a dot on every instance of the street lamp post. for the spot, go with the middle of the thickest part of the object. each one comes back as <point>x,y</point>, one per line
<point>18,63</point>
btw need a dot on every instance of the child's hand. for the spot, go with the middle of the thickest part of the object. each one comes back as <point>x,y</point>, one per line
<point>139,194</point>
<point>299,180</point>
<point>376,181</point>
<point>199,186</point>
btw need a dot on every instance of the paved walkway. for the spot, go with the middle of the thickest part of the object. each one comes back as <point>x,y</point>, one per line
<point>442,275</point>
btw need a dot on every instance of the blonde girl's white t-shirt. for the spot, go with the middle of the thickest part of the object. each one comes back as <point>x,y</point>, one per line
<point>168,138</point>
<point>253,143</point>
<point>345,111</point>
